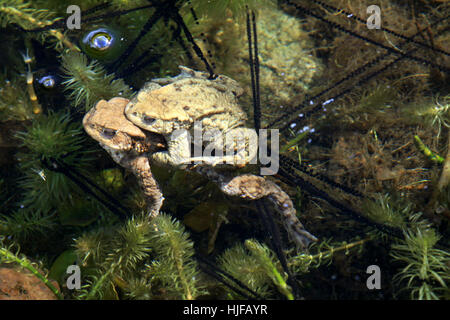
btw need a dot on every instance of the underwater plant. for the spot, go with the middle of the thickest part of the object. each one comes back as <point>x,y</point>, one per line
<point>88,82</point>
<point>426,273</point>
<point>256,266</point>
<point>23,224</point>
<point>176,268</point>
<point>244,266</point>
<point>158,250</point>
<point>50,137</point>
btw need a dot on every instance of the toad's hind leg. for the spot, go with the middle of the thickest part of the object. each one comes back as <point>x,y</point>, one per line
<point>140,166</point>
<point>253,187</point>
<point>154,198</point>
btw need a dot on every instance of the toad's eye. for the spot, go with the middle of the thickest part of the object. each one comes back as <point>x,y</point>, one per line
<point>108,133</point>
<point>103,44</point>
<point>148,120</point>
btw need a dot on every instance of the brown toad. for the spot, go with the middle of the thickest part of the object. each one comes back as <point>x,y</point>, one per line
<point>177,107</point>
<point>127,144</point>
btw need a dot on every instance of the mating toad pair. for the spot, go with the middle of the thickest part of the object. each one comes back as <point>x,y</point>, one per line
<point>133,132</point>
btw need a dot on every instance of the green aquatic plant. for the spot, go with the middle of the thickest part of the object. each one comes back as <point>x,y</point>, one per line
<point>323,254</point>
<point>385,210</point>
<point>88,82</point>
<point>44,189</point>
<point>52,137</point>
<point>256,266</point>
<point>394,212</point>
<point>139,288</point>
<point>25,224</point>
<point>431,111</point>
<point>266,258</point>
<point>132,244</point>
<point>440,115</point>
<point>243,266</point>
<point>21,13</point>
<point>426,151</point>
<point>157,250</point>
<point>293,143</point>
<point>176,267</point>
<point>90,247</point>
<point>110,253</point>
<point>8,256</point>
<point>435,114</point>
<point>377,99</point>
<point>97,286</point>
<point>427,270</point>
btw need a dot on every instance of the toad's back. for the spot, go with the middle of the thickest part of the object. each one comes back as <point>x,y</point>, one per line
<point>188,100</point>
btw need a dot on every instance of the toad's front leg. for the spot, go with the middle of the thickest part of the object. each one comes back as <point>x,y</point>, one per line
<point>178,150</point>
<point>236,147</point>
<point>140,166</point>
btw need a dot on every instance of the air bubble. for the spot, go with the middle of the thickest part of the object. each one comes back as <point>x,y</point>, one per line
<point>328,101</point>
